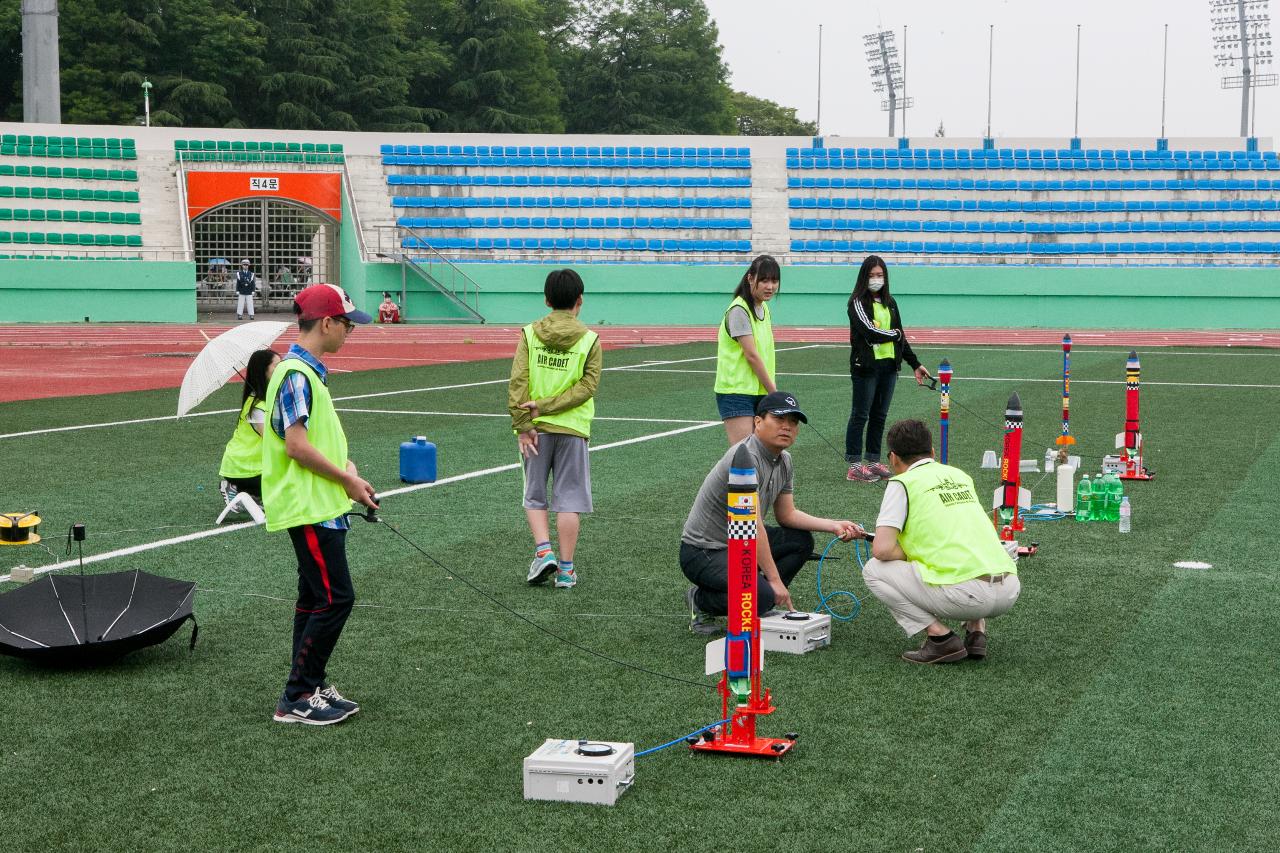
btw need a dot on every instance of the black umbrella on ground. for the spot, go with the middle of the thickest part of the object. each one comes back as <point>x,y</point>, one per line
<point>93,619</point>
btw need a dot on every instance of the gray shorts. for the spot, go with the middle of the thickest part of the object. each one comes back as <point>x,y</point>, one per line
<point>564,460</point>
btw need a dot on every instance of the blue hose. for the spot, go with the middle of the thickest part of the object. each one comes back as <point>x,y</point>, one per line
<point>683,738</point>
<point>825,599</point>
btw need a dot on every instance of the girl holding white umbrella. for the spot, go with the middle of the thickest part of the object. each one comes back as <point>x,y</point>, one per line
<point>241,467</point>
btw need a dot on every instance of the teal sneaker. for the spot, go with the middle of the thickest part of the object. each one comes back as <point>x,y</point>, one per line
<point>566,580</point>
<point>542,568</point>
<point>700,622</point>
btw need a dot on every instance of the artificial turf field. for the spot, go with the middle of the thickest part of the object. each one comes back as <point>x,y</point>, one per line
<point>1126,704</point>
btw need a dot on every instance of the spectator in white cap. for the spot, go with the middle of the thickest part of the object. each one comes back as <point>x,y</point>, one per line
<point>246,284</point>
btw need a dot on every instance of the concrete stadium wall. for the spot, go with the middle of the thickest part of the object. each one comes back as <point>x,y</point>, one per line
<point>659,294</point>
<point>102,291</point>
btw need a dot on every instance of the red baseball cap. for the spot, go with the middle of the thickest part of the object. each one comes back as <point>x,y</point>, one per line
<point>328,300</point>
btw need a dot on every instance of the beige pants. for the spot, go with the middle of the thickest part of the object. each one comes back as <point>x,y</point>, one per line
<point>915,604</point>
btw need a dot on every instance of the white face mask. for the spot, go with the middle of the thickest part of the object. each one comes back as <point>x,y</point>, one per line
<point>874,284</point>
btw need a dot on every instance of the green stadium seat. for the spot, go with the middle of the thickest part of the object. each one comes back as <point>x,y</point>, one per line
<point>54,215</point>
<point>101,195</point>
<point>126,143</point>
<point>21,215</point>
<point>101,217</point>
<point>237,146</point>
<point>116,218</point>
<point>99,174</point>
<point>133,240</point>
<point>22,192</point>
<point>84,239</point>
<point>336,148</point>
<point>53,238</point>
<point>131,196</point>
<point>115,195</point>
<point>84,142</point>
<point>102,239</point>
<point>24,139</point>
<point>6,192</point>
<point>8,150</point>
<point>39,171</point>
<point>309,147</point>
<point>128,154</point>
<point>208,144</point>
<point>36,215</point>
<point>39,192</point>
<point>251,146</point>
<point>22,171</point>
<point>19,236</point>
<point>6,237</point>
<point>6,169</point>
<point>180,145</point>
<point>133,219</point>
<point>113,142</point>
<point>279,147</point>
<point>100,142</point>
<point>130,175</point>
<point>118,240</point>
<point>293,147</point>
<point>6,214</point>
<point>9,139</point>
<point>67,141</point>
<point>59,193</point>
<point>36,237</point>
<point>223,145</point>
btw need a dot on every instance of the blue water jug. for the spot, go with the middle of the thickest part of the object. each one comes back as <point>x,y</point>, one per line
<point>418,461</point>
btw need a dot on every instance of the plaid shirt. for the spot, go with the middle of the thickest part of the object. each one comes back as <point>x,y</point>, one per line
<point>293,406</point>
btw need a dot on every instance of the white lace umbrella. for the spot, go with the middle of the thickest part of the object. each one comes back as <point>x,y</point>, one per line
<point>224,357</point>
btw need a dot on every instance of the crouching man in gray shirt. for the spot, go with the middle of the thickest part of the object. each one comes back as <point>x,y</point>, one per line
<point>780,551</point>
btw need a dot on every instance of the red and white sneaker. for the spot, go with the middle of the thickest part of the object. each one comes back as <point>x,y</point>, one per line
<point>879,470</point>
<point>862,473</point>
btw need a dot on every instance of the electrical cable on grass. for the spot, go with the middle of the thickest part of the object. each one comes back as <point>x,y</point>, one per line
<point>684,738</point>
<point>825,599</point>
<point>370,516</point>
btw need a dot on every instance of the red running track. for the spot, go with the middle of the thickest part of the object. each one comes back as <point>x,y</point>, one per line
<point>61,361</point>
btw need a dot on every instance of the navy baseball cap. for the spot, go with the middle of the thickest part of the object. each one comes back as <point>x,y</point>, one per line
<point>780,403</point>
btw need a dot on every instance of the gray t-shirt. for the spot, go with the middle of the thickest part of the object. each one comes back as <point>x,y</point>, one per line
<point>739,322</point>
<point>706,526</point>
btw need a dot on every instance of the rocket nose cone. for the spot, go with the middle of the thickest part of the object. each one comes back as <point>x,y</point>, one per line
<point>742,459</point>
<point>1133,355</point>
<point>1015,405</point>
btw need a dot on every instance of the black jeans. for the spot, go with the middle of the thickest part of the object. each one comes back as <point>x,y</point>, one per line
<point>872,395</point>
<point>708,570</point>
<point>325,599</point>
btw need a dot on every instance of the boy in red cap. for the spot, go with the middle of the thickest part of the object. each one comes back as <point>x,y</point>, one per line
<point>308,484</point>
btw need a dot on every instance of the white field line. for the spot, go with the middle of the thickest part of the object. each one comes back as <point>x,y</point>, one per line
<point>993,379</point>
<point>1145,353</point>
<point>506,415</point>
<point>470,475</point>
<point>344,399</point>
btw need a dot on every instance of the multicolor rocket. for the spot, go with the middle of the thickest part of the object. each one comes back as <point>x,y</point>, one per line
<point>1010,495</point>
<point>944,377</point>
<point>741,688</point>
<point>1066,438</point>
<point>1131,467</point>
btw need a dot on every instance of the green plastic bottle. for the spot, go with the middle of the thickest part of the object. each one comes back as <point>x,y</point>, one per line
<point>1115,494</point>
<point>1098,507</point>
<point>1084,499</point>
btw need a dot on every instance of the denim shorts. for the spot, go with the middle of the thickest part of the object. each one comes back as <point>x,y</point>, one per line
<point>737,405</point>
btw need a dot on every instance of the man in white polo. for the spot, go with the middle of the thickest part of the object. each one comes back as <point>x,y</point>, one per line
<point>936,554</point>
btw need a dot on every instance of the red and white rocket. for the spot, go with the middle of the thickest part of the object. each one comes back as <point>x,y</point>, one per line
<point>1066,438</point>
<point>1010,495</point>
<point>742,691</point>
<point>1130,460</point>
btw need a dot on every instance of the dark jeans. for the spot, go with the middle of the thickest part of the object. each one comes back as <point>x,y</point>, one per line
<point>252,485</point>
<point>325,599</point>
<point>708,570</point>
<point>872,395</point>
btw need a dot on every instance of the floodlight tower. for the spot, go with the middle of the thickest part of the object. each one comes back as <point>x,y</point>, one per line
<point>886,71</point>
<point>1242,34</point>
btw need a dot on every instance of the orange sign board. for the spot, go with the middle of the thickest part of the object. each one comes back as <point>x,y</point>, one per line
<point>207,190</point>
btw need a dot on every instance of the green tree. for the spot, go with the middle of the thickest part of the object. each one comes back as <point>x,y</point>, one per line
<point>648,66</point>
<point>501,79</point>
<point>761,117</point>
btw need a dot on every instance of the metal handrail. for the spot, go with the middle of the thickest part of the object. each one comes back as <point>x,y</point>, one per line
<point>389,239</point>
<point>188,243</point>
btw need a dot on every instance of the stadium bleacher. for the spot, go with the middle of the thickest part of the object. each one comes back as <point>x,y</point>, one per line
<point>240,151</point>
<point>54,194</point>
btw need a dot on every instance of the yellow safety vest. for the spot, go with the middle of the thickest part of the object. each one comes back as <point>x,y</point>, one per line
<point>883,320</point>
<point>733,372</point>
<point>947,534</point>
<point>553,371</point>
<point>243,456</point>
<point>292,495</point>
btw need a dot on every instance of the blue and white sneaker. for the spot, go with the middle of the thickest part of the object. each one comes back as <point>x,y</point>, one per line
<point>331,695</point>
<point>566,580</point>
<point>542,568</point>
<point>312,711</point>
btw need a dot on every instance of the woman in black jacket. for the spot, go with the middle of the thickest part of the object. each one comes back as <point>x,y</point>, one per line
<point>878,346</point>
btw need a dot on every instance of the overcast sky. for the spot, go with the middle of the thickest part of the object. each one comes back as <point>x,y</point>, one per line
<point>771,50</point>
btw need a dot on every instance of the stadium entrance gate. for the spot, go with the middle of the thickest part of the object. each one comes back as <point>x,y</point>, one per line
<point>289,245</point>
